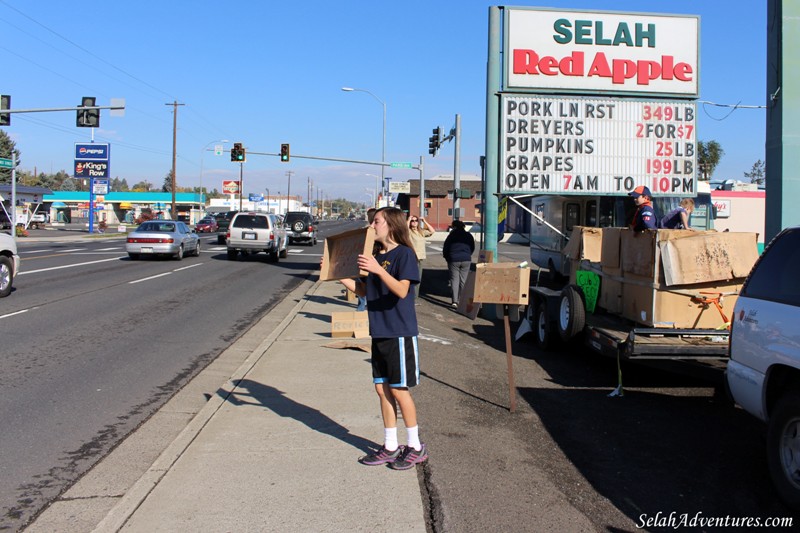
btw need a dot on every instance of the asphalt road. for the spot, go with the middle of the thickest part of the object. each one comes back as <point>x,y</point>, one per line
<point>94,343</point>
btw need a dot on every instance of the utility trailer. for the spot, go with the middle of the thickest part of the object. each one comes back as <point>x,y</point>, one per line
<point>558,316</point>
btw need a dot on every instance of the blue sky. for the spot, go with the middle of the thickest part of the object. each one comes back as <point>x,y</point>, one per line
<point>269,72</point>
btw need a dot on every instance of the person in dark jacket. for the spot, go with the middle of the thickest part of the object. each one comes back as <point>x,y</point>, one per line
<point>645,217</point>
<point>457,250</point>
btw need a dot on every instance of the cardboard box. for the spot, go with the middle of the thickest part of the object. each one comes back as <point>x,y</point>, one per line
<point>610,253</point>
<point>501,283</point>
<point>350,324</point>
<point>655,305</point>
<point>700,257</point>
<point>611,290</point>
<point>340,254</point>
<point>584,243</point>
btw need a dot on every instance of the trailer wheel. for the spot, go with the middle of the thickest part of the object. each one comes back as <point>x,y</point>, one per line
<point>571,313</point>
<point>543,327</point>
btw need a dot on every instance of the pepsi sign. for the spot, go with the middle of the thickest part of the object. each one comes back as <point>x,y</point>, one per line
<point>92,151</point>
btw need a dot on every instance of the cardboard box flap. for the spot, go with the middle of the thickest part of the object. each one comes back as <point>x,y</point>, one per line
<point>639,253</point>
<point>340,254</point>
<point>501,283</point>
<point>610,247</point>
<point>584,243</point>
<point>708,256</point>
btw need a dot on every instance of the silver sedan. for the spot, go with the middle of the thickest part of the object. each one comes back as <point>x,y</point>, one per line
<point>163,237</point>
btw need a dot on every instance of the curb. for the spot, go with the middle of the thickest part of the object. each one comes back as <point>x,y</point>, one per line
<point>117,517</point>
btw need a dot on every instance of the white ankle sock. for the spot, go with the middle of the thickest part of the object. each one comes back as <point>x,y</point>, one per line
<point>413,438</point>
<point>390,439</point>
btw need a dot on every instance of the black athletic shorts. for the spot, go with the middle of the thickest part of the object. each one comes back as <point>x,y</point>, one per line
<point>395,361</point>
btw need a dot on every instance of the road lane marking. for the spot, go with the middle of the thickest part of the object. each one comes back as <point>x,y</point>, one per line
<point>184,268</point>
<point>67,266</point>
<point>109,249</point>
<point>14,313</point>
<point>72,250</point>
<point>149,278</point>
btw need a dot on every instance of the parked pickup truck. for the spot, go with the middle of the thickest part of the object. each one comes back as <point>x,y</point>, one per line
<point>763,374</point>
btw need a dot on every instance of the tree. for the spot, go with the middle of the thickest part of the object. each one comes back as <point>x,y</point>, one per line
<point>758,173</point>
<point>708,156</point>
<point>67,185</point>
<point>142,186</point>
<point>119,185</point>
<point>7,146</point>
<point>167,187</point>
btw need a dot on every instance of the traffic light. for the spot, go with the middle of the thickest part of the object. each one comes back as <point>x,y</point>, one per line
<point>88,118</point>
<point>238,154</point>
<point>285,153</point>
<point>435,141</point>
<point>5,103</point>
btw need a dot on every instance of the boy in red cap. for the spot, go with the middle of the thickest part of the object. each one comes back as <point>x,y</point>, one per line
<point>645,217</point>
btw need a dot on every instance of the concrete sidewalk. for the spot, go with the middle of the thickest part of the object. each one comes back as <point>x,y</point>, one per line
<point>276,447</point>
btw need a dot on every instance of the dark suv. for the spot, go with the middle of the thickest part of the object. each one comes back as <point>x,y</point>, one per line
<point>300,226</point>
<point>223,221</point>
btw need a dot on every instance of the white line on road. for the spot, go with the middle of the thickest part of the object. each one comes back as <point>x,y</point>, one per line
<point>108,249</point>
<point>34,251</point>
<point>15,313</point>
<point>151,277</point>
<point>72,250</point>
<point>190,266</point>
<point>67,266</point>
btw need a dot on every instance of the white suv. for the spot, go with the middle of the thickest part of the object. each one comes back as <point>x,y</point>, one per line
<point>763,373</point>
<point>256,232</point>
<point>9,263</point>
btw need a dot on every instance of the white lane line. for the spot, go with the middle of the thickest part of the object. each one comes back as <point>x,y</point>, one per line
<point>215,249</point>
<point>72,250</point>
<point>34,251</point>
<point>67,266</point>
<point>108,249</point>
<point>15,313</point>
<point>187,267</point>
<point>151,277</point>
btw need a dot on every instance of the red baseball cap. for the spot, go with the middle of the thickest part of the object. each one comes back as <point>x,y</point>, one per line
<point>641,190</point>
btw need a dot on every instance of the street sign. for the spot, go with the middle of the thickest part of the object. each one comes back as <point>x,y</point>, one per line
<point>100,187</point>
<point>400,165</point>
<point>6,163</point>
<point>92,152</point>
<point>399,187</point>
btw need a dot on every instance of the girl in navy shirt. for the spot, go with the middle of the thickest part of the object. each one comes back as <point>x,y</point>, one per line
<point>393,328</point>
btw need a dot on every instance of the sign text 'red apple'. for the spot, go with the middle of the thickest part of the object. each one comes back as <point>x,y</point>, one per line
<point>602,52</point>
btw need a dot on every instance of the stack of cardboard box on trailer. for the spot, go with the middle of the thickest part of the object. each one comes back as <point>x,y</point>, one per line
<point>665,278</point>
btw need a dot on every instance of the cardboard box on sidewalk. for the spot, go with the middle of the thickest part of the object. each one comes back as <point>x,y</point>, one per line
<point>350,324</point>
<point>501,283</point>
<point>340,254</point>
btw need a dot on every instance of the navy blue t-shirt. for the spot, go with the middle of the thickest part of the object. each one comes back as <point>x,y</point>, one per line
<point>673,220</point>
<point>645,218</point>
<point>390,316</point>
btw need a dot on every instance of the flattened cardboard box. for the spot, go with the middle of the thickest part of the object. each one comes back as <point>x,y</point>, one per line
<point>340,255</point>
<point>350,324</point>
<point>501,283</point>
<point>677,307</point>
<point>707,256</point>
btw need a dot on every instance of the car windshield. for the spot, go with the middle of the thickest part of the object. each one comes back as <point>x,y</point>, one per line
<point>163,227</point>
<point>251,221</point>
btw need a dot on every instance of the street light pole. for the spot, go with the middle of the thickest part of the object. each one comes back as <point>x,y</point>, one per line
<point>383,149</point>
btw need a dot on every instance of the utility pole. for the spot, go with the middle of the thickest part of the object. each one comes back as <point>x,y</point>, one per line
<point>174,105</point>
<point>457,171</point>
<point>288,188</point>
